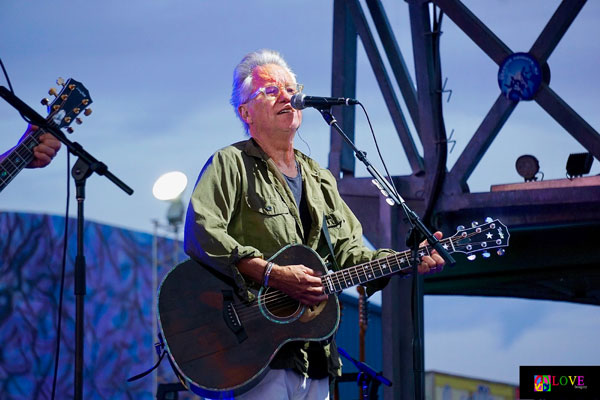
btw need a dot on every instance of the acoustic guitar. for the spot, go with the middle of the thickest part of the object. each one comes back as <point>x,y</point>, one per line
<point>221,346</point>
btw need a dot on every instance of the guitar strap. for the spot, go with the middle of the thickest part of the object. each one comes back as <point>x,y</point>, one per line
<point>333,262</point>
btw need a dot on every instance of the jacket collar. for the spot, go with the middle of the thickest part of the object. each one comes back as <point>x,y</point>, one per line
<point>252,148</point>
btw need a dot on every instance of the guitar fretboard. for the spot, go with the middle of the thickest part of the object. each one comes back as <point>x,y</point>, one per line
<point>18,158</point>
<point>366,272</point>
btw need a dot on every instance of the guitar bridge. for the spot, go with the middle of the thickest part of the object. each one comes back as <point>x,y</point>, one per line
<point>232,320</point>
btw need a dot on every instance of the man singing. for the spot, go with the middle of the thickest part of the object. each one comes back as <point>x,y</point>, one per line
<point>256,196</point>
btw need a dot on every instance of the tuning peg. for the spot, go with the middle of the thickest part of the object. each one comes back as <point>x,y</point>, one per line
<point>67,120</point>
<point>76,110</point>
<point>70,130</point>
<point>376,183</point>
<point>60,81</point>
<point>460,228</point>
<point>45,101</point>
<point>471,257</point>
<point>488,220</point>
<point>474,224</point>
<point>85,102</point>
<point>500,252</point>
<point>78,121</point>
<point>52,92</point>
<point>87,112</point>
<point>486,254</point>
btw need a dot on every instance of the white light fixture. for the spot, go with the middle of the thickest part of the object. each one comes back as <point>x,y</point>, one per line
<point>169,186</point>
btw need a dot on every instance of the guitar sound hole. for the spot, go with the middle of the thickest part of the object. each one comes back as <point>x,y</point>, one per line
<point>281,306</point>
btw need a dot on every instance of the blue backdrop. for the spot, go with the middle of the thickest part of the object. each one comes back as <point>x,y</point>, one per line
<point>119,311</point>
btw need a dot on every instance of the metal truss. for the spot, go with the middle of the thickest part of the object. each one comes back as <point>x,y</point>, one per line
<point>552,255</point>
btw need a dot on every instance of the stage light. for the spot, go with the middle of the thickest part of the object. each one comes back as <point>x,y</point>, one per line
<point>169,186</point>
<point>579,164</point>
<point>527,166</point>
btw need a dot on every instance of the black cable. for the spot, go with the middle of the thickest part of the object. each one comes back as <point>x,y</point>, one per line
<point>305,142</point>
<point>10,87</point>
<point>62,279</point>
<point>6,76</point>
<point>442,141</point>
<point>391,181</point>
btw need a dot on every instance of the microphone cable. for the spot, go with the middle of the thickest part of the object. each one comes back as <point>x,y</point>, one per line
<point>10,87</point>
<point>391,181</point>
<point>6,76</point>
<point>62,279</point>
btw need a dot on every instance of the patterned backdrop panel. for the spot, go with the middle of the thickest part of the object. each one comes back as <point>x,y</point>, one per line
<point>119,308</point>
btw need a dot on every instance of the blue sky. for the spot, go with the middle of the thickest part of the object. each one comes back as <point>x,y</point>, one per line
<point>160,74</point>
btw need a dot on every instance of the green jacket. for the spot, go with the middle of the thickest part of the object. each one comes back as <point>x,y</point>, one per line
<point>243,207</point>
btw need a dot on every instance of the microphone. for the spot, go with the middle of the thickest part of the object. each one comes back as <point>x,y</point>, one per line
<point>300,101</point>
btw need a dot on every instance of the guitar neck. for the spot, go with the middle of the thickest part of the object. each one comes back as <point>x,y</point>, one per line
<point>18,158</point>
<point>369,271</point>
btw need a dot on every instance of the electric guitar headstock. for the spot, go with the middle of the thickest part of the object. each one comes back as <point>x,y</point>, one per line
<point>72,100</point>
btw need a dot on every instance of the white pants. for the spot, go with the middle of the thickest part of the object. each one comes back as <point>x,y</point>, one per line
<point>285,384</point>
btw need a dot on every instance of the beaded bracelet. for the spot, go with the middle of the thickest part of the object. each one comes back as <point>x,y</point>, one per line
<point>267,273</point>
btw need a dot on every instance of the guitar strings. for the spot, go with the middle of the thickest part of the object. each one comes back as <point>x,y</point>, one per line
<point>278,301</point>
<point>359,270</point>
<point>270,299</point>
<point>347,274</point>
<point>346,277</point>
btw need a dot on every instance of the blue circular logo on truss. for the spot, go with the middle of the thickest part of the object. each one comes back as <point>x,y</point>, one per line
<point>519,77</point>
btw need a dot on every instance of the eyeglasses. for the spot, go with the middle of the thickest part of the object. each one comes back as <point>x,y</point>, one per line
<point>273,91</point>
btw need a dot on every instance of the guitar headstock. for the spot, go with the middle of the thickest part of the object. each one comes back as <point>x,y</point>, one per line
<point>493,234</point>
<point>72,100</point>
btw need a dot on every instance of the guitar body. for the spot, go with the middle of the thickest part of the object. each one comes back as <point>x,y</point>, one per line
<point>222,345</point>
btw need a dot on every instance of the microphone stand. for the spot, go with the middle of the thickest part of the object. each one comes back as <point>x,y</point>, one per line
<point>85,166</point>
<point>418,229</point>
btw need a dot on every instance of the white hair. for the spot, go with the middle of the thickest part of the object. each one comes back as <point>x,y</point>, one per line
<point>242,76</point>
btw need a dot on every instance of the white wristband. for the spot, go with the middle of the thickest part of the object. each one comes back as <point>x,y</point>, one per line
<point>268,269</point>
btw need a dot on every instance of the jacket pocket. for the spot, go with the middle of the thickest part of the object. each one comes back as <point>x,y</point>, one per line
<point>334,219</point>
<point>266,205</point>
